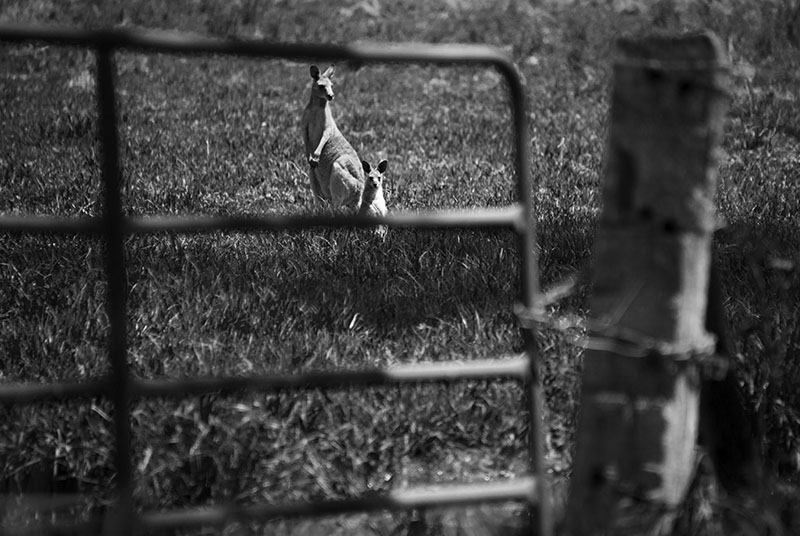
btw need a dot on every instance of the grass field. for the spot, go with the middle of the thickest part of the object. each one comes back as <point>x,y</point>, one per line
<point>210,135</point>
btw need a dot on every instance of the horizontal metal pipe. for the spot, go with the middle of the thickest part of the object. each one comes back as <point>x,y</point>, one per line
<point>524,489</point>
<point>504,217</point>
<point>27,223</point>
<point>448,371</point>
<point>179,43</point>
<point>32,393</point>
<point>521,489</point>
<point>93,526</point>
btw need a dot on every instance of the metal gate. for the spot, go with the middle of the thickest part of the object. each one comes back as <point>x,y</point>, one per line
<point>113,227</point>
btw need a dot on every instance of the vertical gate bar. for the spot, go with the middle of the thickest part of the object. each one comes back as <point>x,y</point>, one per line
<point>116,298</point>
<point>529,295</point>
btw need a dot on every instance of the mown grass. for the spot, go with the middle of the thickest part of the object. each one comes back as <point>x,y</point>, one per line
<point>219,136</point>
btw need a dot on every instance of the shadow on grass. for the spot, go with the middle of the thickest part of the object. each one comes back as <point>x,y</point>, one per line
<point>321,279</point>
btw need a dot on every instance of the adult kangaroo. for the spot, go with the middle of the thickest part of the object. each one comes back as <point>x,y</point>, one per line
<point>335,173</point>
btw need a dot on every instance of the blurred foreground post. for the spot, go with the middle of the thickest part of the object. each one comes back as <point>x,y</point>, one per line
<point>639,408</point>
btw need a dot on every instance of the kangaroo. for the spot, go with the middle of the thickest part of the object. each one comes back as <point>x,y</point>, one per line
<point>335,173</point>
<point>373,203</point>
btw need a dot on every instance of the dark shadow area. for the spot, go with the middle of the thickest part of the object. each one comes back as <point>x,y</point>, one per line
<point>316,277</point>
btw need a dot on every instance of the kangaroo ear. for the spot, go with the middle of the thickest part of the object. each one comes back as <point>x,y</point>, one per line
<point>382,166</point>
<point>366,167</point>
<point>314,72</point>
<point>329,72</point>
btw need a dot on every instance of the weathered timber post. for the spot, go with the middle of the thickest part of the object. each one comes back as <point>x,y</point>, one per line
<point>639,406</point>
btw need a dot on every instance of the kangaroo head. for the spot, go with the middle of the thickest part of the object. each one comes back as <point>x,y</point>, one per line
<point>322,86</point>
<point>373,177</point>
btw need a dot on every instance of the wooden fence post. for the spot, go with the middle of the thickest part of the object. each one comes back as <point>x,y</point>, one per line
<point>638,418</point>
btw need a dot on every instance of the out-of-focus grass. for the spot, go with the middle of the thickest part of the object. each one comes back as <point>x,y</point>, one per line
<point>217,135</point>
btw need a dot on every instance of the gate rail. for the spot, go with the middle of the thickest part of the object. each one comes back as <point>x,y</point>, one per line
<point>121,388</point>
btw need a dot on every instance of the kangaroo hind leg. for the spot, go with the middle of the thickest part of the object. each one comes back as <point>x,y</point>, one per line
<point>316,189</point>
<point>345,188</point>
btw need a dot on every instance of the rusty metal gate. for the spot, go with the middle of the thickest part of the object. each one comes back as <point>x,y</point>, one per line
<point>113,227</point>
